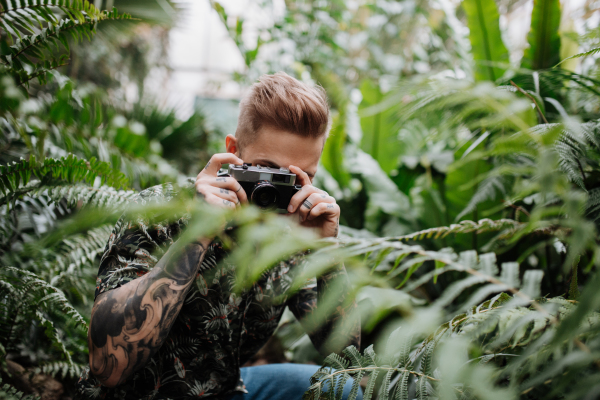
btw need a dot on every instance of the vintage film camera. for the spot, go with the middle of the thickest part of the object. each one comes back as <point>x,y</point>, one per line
<point>268,188</point>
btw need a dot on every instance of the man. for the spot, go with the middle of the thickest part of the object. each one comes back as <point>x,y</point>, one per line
<point>167,325</point>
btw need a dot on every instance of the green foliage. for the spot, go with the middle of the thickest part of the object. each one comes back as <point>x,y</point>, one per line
<point>488,50</point>
<point>465,202</point>
<point>379,137</point>
<point>543,38</point>
<point>8,392</point>
<point>30,15</point>
<point>33,56</point>
<point>70,169</point>
<point>68,162</point>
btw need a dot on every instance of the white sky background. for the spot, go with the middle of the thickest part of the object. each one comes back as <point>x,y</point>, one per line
<point>203,56</point>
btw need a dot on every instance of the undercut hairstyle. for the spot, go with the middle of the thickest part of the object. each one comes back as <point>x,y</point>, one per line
<point>282,102</point>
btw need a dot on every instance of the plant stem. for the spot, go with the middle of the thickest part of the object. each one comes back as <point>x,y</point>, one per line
<point>532,99</point>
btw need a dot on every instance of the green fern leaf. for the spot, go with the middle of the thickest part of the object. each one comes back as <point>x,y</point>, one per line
<point>29,15</point>
<point>356,385</point>
<point>69,169</point>
<point>341,382</point>
<point>384,392</point>
<point>487,190</point>
<point>357,360</point>
<point>402,387</point>
<point>371,385</point>
<point>335,361</point>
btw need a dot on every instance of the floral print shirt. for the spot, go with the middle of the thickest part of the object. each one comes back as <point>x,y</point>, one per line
<point>216,330</point>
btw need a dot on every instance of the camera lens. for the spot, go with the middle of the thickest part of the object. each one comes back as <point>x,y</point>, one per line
<point>264,195</point>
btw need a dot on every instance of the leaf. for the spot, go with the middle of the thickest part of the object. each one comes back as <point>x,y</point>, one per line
<point>584,54</point>
<point>371,385</point>
<point>486,41</point>
<point>543,38</point>
<point>379,134</point>
<point>333,152</point>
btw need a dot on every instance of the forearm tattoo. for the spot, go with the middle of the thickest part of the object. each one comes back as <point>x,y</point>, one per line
<point>130,323</point>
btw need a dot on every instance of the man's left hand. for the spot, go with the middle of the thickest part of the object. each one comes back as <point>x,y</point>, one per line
<point>314,207</point>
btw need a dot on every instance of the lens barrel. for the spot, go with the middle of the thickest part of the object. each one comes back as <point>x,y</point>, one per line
<point>264,195</point>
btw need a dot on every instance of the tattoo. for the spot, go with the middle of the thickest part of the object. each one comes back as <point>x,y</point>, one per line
<point>225,191</point>
<point>207,165</point>
<point>337,228</point>
<point>228,203</point>
<point>329,206</point>
<point>307,204</point>
<point>129,324</point>
<point>323,196</point>
<point>221,179</point>
<point>239,188</point>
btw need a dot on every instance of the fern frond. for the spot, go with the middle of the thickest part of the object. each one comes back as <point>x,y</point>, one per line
<point>481,226</point>
<point>103,196</point>
<point>63,269</point>
<point>69,169</point>
<point>8,392</point>
<point>32,283</point>
<point>52,334</point>
<point>487,190</point>
<point>384,392</point>
<point>42,46</point>
<point>335,361</point>
<point>339,390</point>
<point>29,15</point>
<point>569,155</point>
<point>356,358</point>
<point>371,385</point>
<point>60,368</point>
<point>356,385</point>
<point>41,71</point>
<point>584,54</point>
<point>402,387</point>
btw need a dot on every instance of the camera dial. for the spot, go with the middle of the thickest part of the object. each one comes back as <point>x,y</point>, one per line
<point>264,195</point>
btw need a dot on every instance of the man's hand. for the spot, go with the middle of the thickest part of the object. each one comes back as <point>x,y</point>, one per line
<point>220,191</point>
<point>314,207</point>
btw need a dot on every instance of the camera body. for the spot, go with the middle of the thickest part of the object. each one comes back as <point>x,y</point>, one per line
<point>268,188</point>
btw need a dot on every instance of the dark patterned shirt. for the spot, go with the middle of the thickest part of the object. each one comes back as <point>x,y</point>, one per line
<point>216,330</point>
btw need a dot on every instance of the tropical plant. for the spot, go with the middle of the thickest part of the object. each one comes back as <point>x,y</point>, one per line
<point>68,150</point>
<point>470,205</point>
<point>504,160</point>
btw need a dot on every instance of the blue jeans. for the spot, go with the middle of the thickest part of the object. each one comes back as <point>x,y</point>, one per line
<point>280,382</point>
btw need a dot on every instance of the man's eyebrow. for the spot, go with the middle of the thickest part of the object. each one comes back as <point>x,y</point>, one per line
<point>273,164</point>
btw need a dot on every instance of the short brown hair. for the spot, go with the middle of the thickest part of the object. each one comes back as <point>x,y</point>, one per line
<point>280,101</point>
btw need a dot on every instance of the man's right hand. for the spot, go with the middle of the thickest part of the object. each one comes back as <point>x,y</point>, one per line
<point>220,191</point>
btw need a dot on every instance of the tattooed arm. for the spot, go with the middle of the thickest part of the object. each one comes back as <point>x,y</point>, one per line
<point>130,323</point>
<point>327,314</point>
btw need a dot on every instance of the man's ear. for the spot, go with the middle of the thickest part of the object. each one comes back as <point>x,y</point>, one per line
<point>231,143</point>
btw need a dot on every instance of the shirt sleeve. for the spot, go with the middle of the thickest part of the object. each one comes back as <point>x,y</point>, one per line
<point>135,246</point>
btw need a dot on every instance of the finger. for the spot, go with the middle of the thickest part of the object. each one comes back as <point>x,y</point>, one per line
<point>228,183</point>
<point>218,201</point>
<point>299,197</point>
<point>302,176</point>
<point>223,193</point>
<point>323,209</point>
<point>216,162</point>
<point>312,201</point>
